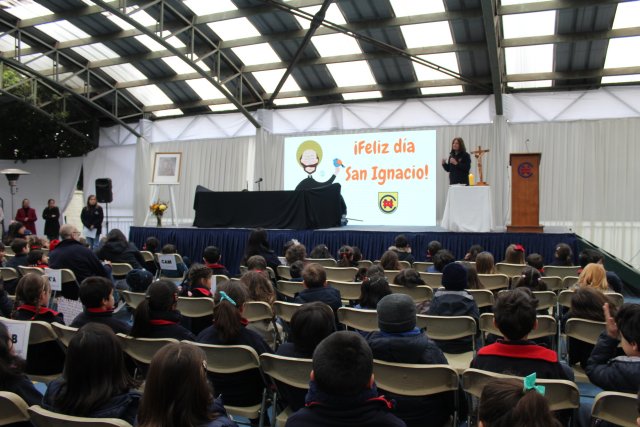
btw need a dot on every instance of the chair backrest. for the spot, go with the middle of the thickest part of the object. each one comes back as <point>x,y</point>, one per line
<point>405,264</point>
<point>285,310</point>
<point>447,327</point>
<point>562,272</point>
<point>64,333</point>
<point>547,326</point>
<point>8,273</point>
<point>421,266</point>
<point>363,320</point>
<point>342,274</point>
<point>177,259</point>
<point>143,349</point>
<point>288,288</point>
<point>509,270</point>
<point>418,294</point>
<point>147,256</point>
<point>584,330</point>
<point>220,278</point>
<point>493,282</point>
<point>257,310</point>
<point>391,274</point>
<point>120,269</point>
<point>564,298</point>
<point>195,307</point>
<point>12,408</point>
<point>133,298</point>
<point>292,371</point>
<point>365,263</point>
<point>229,359</point>
<point>615,299</point>
<point>284,271</point>
<point>26,270</point>
<point>482,297</point>
<point>617,408</point>
<point>348,290</point>
<point>560,394</point>
<point>41,332</point>
<point>554,283</point>
<point>414,380</point>
<point>325,262</point>
<point>243,269</point>
<point>569,281</point>
<point>40,417</point>
<point>546,299</point>
<point>433,280</point>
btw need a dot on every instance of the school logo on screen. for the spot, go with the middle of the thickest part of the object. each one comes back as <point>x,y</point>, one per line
<point>388,202</point>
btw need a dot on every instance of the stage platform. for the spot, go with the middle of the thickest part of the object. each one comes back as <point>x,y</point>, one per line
<point>373,241</point>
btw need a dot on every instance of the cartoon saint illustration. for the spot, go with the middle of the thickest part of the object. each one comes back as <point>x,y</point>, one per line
<point>309,156</point>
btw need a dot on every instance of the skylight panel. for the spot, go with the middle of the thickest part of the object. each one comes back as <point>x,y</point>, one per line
<point>269,80</point>
<point>261,53</point>
<point>124,73</point>
<point>529,59</point>
<point>206,7</point>
<point>70,81</point>
<point>336,44</point>
<point>178,65</point>
<point>150,95</point>
<point>529,24</point>
<point>62,31</point>
<point>24,9</point>
<point>168,113</point>
<point>621,79</point>
<point>172,40</point>
<point>447,60</point>
<point>427,34</point>
<point>232,29</point>
<point>95,52</point>
<point>149,43</point>
<point>8,43</point>
<point>530,84</point>
<point>291,101</point>
<point>38,62</point>
<point>510,2</point>
<point>204,89</point>
<point>439,90</point>
<point>623,52</point>
<point>362,95</point>
<point>333,15</point>
<point>222,107</point>
<point>356,73</point>
<point>413,7</point>
<point>627,15</point>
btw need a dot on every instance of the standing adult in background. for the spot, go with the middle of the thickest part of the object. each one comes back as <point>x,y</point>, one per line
<point>458,164</point>
<point>27,216</point>
<point>51,216</point>
<point>91,218</point>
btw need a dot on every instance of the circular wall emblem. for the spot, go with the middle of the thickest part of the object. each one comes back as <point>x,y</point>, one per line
<point>388,202</point>
<point>525,170</point>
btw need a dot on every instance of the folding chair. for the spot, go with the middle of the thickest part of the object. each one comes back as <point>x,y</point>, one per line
<point>195,307</point>
<point>418,294</point>
<point>8,273</point>
<point>404,264</point>
<point>349,291</point>
<point>546,299</point>
<point>132,299</point>
<point>583,330</point>
<point>494,282</point>
<point>255,311</point>
<point>234,359</point>
<point>617,408</point>
<point>284,271</point>
<point>178,260</point>
<point>119,270</point>
<point>391,274</point>
<point>341,274</point>
<point>564,298</point>
<point>554,283</point>
<point>561,272</point>
<point>433,280</point>
<point>365,263</point>
<point>509,270</point>
<point>285,310</point>
<point>64,333</point>
<point>615,299</point>
<point>42,332</point>
<point>289,371</point>
<point>12,409</point>
<point>416,380</point>
<point>569,281</point>
<point>70,285</point>
<point>26,270</point>
<point>289,289</point>
<point>422,266</point>
<point>547,327</point>
<point>220,278</point>
<point>363,320</point>
<point>40,417</point>
<point>142,350</point>
<point>482,297</point>
<point>445,328</point>
<point>147,256</point>
<point>325,262</point>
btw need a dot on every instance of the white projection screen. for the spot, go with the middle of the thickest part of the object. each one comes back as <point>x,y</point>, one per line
<point>387,178</point>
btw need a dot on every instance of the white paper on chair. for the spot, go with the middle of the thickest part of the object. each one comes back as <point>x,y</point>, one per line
<point>89,233</point>
<point>55,278</point>
<point>214,284</point>
<point>19,336</point>
<point>167,262</point>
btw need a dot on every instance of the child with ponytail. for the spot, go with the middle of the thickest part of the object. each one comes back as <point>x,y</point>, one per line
<point>199,286</point>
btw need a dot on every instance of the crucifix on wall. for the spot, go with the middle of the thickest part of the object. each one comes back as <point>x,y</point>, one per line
<point>478,155</point>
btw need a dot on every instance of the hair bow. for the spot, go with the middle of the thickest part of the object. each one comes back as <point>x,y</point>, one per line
<point>224,296</point>
<point>519,248</point>
<point>530,384</point>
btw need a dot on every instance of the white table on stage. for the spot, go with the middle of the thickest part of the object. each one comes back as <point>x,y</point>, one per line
<point>468,209</point>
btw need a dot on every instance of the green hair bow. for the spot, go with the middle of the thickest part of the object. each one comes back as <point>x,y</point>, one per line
<point>530,384</point>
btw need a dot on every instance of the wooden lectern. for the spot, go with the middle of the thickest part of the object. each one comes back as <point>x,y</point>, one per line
<point>525,193</point>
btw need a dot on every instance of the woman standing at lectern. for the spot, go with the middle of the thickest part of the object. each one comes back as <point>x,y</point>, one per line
<point>458,164</point>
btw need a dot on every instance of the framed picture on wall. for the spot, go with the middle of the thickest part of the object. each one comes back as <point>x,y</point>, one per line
<point>166,168</point>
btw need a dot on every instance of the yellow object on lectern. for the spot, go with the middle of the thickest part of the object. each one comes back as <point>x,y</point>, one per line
<point>472,180</point>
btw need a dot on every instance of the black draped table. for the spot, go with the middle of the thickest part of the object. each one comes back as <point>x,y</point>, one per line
<point>306,209</point>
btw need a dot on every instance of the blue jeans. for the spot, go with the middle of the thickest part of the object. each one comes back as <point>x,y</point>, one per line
<point>93,243</point>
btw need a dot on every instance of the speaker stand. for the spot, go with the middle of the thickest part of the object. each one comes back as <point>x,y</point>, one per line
<point>155,191</point>
<point>107,205</point>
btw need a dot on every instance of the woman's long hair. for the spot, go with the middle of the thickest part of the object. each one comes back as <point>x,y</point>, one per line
<point>227,317</point>
<point>594,276</point>
<point>563,255</point>
<point>88,206</point>
<point>532,279</point>
<point>29,291</point>
<point>116,235</point>
<point>161,296</point>
<point>177,392</point>
<point>258,287</point>
<point>485,263</point>
<point>463,148</point>
<point>257,243</point>
<point>372,290</point>
<point>389,261</point>
<point>586,303</point>
<point>514,254</point>
<point>94,371</point>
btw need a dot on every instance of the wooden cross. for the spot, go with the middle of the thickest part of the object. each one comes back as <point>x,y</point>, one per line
<point>478,155</point>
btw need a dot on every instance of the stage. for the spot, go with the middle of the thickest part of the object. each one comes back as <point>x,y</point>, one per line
<point>372,241</point>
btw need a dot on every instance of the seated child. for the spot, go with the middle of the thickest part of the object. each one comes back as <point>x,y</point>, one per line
<point>372,290</point>
<point>152,244</point>
<point>410,278</point>
<point>211,258</point>
<point>440,261</point>
<point>37,258</point>
<point>259,288</point>
<point>96,294</point>
<point>182,267</point>
<point>530,278</point>
<point>320,251</point>
<point>295,270</point>
<point>536,261</point>
<point>314,278</point>
<point>342,391</point>
<point>402,248</point>
<point>20,248</point>
<point>256,262</point>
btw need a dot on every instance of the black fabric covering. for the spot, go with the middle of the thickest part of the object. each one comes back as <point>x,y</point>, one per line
<point>308,209</point>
